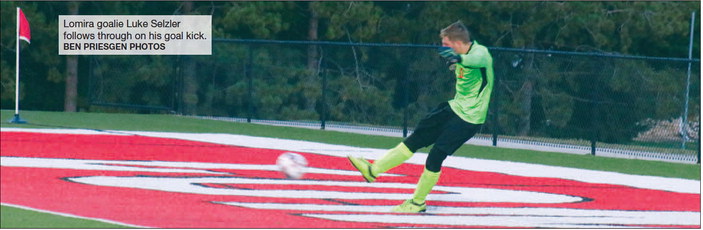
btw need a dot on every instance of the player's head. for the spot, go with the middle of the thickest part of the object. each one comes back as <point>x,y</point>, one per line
<point>454,33</point>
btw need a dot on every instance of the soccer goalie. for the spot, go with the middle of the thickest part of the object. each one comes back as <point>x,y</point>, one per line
<point>449,125</point>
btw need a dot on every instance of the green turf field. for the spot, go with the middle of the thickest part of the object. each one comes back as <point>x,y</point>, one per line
<point>172,123</point>
<point>20,218</point>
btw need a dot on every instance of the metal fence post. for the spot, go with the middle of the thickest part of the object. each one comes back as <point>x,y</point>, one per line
<point>250,79</point>
<point>594,120</point>
<point>684,116</point>
<point>494,108</point>
<point>406,102</point>
<point>323,113</point>
<point>181,85</point>
<point>699,142</point>
<point>91,76</point>
<point>174,87</point>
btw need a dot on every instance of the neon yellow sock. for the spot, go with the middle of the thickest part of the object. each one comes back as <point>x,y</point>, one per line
<point>391,159</point>
<point>427,181</point>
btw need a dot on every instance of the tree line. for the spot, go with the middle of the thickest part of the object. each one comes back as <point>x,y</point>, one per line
<point>365,83</point>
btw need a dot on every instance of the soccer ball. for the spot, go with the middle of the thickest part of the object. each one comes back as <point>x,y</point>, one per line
<point>292,165</point>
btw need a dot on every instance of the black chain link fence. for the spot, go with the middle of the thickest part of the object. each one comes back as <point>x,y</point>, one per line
<point>601,103</point>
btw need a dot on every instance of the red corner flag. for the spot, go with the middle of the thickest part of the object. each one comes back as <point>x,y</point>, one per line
<point>22,34</point>
<point>23,27</point>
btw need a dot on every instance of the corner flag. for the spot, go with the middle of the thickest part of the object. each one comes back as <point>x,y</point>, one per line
<point>22,34</point>
<point>23,25</point>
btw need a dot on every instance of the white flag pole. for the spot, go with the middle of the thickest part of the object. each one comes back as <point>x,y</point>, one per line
<point>17,119</point>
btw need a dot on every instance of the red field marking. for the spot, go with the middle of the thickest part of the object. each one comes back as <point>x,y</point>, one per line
<point>48,189</point>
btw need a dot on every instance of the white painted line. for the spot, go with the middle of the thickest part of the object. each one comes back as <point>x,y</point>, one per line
<point>193,185</point>
<point>505,167</point>
<point>595,221</point>
<point>152,166</point>
<point>479,216</point>
<point>73,216</point>
<point>63,131</point>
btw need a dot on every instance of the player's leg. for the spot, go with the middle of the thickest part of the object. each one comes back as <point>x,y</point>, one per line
<point>455,135</point>
<point>427,181</point>
<point>425,134</point>
<point>392,158</point>
<point>429,128</point>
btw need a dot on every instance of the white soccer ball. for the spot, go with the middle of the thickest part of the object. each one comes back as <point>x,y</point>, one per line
<point>292,165</point>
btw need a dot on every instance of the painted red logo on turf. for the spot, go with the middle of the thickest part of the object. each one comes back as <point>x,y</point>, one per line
<point>168,183</point>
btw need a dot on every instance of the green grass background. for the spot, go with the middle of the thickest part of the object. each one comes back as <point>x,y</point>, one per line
<point>12,217</point>
<point>173,123</point>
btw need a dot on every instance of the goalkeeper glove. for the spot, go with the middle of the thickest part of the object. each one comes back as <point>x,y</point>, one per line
<point>452,66</point>
<point>448,54</point>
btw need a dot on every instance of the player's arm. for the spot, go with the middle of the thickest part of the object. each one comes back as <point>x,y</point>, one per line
<point>475,59</point>
<point>449,55</point>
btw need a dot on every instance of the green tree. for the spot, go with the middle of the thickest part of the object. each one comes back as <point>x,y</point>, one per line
<point>540,94</point>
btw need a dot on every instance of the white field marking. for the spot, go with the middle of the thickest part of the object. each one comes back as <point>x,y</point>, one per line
<point>66,131</point>
<point>192,185</point>
<point>149,166</point>
<point>511,217</point>
<point>73,216</point>
<point>505,167</point>
<point>598,220</point>
<point>535,211</point>
<point>89,165</point>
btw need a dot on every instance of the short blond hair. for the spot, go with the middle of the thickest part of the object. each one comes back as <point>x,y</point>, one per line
<point>456,32</point>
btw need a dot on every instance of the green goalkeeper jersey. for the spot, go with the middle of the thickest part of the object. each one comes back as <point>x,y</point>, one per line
<point>474,84</point>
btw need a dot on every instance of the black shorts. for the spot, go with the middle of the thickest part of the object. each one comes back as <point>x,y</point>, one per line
<point>443,128</point>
